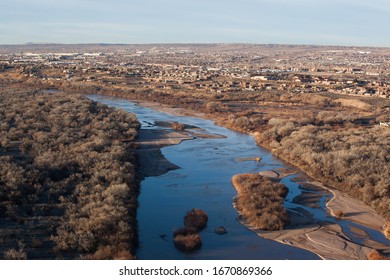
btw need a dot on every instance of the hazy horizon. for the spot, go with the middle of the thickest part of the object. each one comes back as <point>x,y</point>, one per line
<point>184,44</point>
<point>298,22</point>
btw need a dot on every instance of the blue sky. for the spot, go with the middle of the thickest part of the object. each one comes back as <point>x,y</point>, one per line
<point>324,22</point>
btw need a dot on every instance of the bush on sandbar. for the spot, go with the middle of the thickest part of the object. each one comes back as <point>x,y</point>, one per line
<point>187,239</point>
<point>260,201</point>
<point>196,219</point>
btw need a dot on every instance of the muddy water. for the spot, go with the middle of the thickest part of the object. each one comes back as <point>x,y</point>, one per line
<point>203,181</point>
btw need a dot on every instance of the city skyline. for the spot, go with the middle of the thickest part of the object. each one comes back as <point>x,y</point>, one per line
<point>342,22</point>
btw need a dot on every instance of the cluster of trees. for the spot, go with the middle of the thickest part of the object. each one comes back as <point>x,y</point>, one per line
<point>354,159</point>
<point>68,187</point>
<point>260,201</point>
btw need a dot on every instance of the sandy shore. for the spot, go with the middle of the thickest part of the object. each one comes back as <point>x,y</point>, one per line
<point>328,240</point>
<point>150,159</point>
<point>150,141</point>
<point>169,110</point>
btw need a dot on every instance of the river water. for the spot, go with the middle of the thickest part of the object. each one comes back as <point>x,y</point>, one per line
<point>203,181</point>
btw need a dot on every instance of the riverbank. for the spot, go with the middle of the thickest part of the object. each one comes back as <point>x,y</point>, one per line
<point>327,240</point>
<point>151,162</point>
<point>150,142</point>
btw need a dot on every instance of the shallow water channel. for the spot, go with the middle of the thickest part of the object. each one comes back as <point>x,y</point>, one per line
<point>203,181</point>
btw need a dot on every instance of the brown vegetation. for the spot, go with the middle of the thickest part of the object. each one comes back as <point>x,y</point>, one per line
<point>187,239</point>
<point>338,214</point>
<point>67,185</point>
<point>177,126</point>
<point>352,159</point>
<point>355,104</point>
<point>386,230</point>
<point>196,219</point>
<point>376,255</point>
<point>13,254</point>
<point>260,201</point>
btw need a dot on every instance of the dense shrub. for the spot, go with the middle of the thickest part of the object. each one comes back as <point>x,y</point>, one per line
<point>187,239</point>
<point>260,201</point>
<point>62,162</point>
<point>386,230</point>
<point>353,159</point>
<point>13,254</point>
<point>196,219</point>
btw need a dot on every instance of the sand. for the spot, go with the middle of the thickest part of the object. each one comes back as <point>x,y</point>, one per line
<point>270,174</point>
<point>169,110</point>
<point>150,159</point>
<point>150,142</point>
<point>328,240</point>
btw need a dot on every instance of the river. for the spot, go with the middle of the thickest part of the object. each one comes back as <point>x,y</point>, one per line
<point>203,181</point>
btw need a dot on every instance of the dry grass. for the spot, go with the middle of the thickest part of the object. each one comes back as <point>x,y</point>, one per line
<point>376,255</point>
<point>187,239</point>
<point>354,103</point>
<point>386,230</point>
<point>260,201</point>
<point>196,219</point>
<point>13,254</point>
<point>338,213</point>
<point>177,126</point>
<point>120,252</point>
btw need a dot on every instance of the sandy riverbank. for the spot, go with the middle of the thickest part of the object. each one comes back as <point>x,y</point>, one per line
<point>328,240</point>
<point>150,159</point>
<point>168,109</point>
<point>150,142</point>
